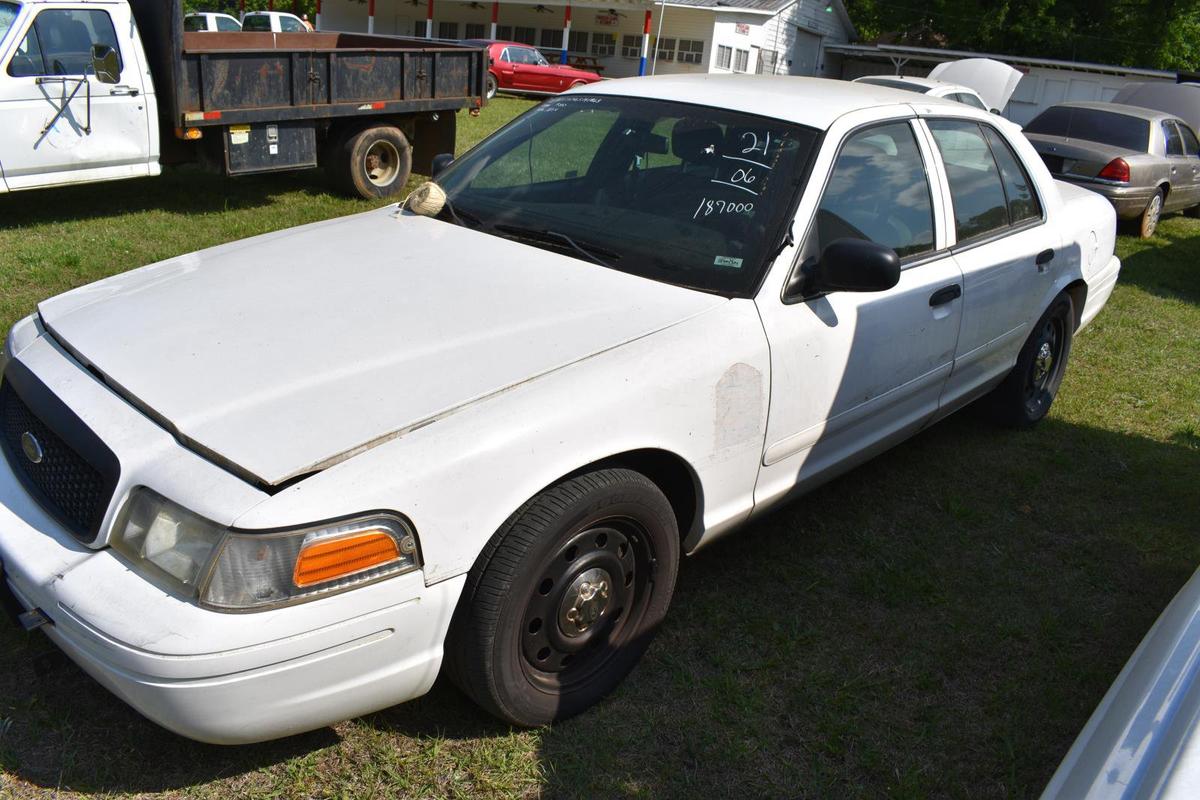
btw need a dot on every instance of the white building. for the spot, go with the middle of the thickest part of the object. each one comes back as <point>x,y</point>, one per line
<point>765,36</point>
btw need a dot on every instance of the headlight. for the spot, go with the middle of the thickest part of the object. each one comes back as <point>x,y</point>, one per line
<point>233,570</point>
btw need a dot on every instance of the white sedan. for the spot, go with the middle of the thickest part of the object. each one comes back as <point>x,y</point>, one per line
<point>286,481</point>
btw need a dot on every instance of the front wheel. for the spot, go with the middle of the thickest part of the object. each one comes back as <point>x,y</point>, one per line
<point>1025,396</point>
<point>373,163</point>
<point>565,598</point>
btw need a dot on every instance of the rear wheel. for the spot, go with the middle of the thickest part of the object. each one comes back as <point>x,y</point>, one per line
<point>1148,222</point>
<point>372,163</point>
<point>565,598</point>
<point>1026,395</point>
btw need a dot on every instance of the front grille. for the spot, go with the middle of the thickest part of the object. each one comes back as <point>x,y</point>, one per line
<point>68,485</point>
<point>1053,163</point>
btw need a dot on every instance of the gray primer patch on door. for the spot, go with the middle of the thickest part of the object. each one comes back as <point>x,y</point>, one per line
<point>739,404</point>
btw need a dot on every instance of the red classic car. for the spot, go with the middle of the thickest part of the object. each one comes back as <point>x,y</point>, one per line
<point>514,67</point>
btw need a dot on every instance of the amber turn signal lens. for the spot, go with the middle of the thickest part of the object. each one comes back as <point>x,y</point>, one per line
<point>337,558</point>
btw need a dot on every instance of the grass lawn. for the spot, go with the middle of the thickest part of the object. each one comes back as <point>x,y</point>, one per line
<point>939,622</point>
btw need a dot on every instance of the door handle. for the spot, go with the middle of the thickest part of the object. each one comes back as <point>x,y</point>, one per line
<point>945,295</point>
<point>1044,258</point>
<point>124,91</point>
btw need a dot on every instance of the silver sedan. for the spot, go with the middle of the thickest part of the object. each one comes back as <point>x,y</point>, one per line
<point>1145,162</point>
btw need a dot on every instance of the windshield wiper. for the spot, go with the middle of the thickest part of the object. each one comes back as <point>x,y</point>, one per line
<point>585,249</point>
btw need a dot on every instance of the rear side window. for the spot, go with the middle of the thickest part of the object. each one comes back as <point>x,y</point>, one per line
<point>60,43</point>
<point>194,24</point>
<point>878,191</point>
<point>1174,140</point>
<point>256,22</point>
<point>976,189</point>
<point>227,24</point>
<point>1018,189</point>
<point>1093,125</point>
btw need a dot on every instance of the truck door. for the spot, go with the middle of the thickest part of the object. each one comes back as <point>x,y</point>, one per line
<point>58,123</point>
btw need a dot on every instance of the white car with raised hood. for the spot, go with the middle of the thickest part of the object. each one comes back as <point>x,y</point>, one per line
<point>982,83</point>
<point>285,481</point>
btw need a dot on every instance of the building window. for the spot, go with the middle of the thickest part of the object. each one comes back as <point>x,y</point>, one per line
<point>551,39</point>
<point>724,56</point>
<point>525,35</point>
<point>767,59</point>
<point>691,51</point>
<point>604,44</point>
<point>631,46</point>
<point>475,30</point>
<point>741,60</point>
<point>504,33</point>
<point>665,51</point>
<point>447,30</point>
<point>577,42</point>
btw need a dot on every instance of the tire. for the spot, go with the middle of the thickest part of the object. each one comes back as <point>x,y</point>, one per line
<point>373,163</point>
<point>565,598</point>
<point>1026,394</point>
<point>491,85</point>
<point>1148,221</point>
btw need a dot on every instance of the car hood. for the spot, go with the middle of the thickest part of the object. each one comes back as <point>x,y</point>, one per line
<point>992,80</point>
<point>283,354</point>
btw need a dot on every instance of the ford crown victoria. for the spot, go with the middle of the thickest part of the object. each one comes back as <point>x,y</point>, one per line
<point>286,481</point>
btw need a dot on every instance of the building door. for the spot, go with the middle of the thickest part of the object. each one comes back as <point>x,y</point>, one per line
<point>806,53</point>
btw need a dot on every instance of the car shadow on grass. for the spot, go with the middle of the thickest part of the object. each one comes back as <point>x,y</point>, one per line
<point>940,621</point>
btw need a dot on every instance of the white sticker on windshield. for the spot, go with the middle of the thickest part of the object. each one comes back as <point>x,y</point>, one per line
<point>727,261</point>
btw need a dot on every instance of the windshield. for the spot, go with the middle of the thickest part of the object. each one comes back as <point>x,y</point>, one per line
<point>683,194</point>
<point>1093,125</point>
<point>8,13</point>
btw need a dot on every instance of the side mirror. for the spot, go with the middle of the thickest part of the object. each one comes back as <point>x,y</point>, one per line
<point>440,162</point>
<point>851,265</point>
<point>105,64</point>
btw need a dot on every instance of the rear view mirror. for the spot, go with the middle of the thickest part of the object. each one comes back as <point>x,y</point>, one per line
<point>440,162</point>
<point>850,265</point>
<point>105,64</point>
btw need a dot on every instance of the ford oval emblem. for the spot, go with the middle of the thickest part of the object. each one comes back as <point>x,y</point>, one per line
<point>32,448</point>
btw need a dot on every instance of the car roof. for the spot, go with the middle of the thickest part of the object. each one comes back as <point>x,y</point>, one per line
<point>815,102</point>
<point>1119,108</point>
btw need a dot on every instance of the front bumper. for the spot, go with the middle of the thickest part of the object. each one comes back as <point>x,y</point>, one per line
<point>216,677</point>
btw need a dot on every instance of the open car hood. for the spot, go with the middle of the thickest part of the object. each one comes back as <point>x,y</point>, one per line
<point>994,81</point>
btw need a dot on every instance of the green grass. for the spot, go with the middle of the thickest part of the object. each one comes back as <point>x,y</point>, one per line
<point>939,622</point>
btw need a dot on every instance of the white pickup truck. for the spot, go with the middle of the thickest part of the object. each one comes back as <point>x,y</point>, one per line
<point>97,90</point>
<point>285,481</point>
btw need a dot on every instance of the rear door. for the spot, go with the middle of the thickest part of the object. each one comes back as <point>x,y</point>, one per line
<point>58,123</point>
<point>1007,253</point>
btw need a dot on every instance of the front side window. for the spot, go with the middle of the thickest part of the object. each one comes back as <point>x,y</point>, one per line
<point>1174,139</point>
<point>291,25</point>
<point>977,192</point>
<point>878,191</point>
<point>8,15</point>
<point>195,24</point>
<point>60,43</point>
<point>678,193</point>
<point>228,24</point>
<point>1191,147</point>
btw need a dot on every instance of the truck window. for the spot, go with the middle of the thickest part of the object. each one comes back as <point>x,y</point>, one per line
<point>228,24</point>
<point>256,22</point>
<point>60,43</point>
<point>291,25</point>
<point>196,23</point>
<point>8,13</point>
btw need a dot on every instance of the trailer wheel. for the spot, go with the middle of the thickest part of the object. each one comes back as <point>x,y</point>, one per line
<point>375,162</point>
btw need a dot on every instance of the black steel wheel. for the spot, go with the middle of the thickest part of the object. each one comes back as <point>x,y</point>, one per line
<point>1025,396</point>
<point>565,598</point>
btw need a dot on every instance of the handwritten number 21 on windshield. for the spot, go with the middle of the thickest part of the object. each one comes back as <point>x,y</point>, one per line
<point>751,143</point>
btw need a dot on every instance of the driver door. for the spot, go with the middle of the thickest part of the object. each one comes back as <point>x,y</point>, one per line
<point>854,372</point>
<point>99,137</point>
